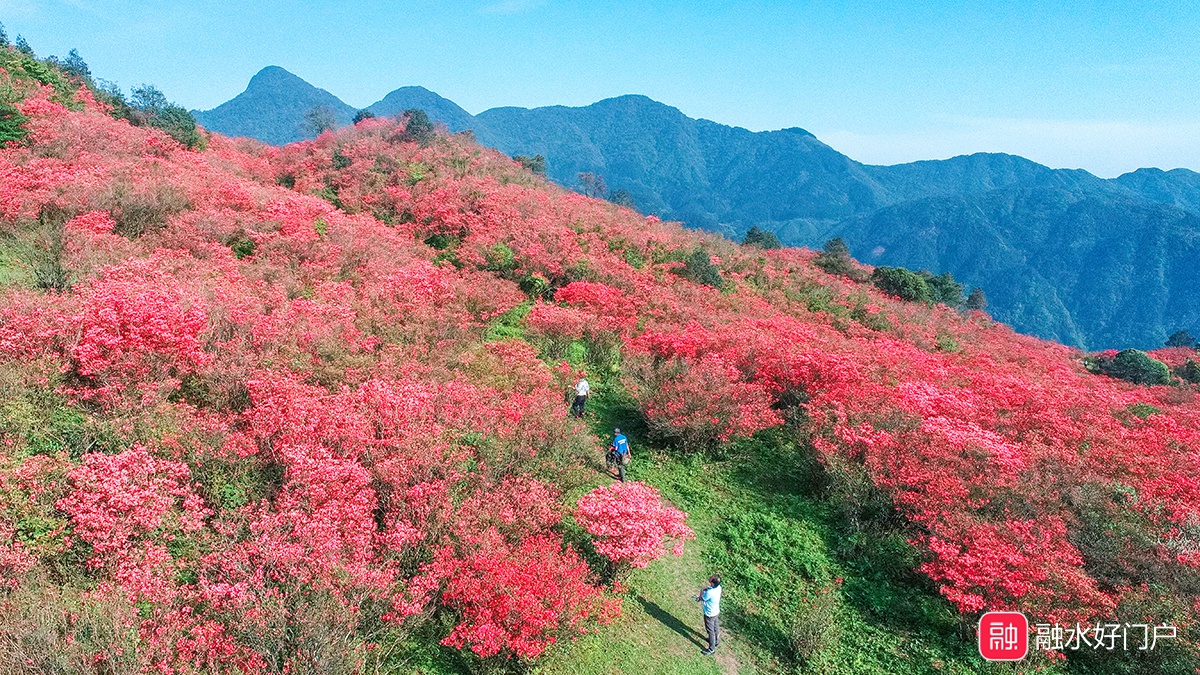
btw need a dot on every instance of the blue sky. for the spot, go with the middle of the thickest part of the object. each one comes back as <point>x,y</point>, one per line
<point>1105,86</point>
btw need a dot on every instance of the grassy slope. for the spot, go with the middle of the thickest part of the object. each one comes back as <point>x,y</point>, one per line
<point>883,617</point>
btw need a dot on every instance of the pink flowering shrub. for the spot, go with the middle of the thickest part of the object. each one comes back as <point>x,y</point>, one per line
<point>631,525</point>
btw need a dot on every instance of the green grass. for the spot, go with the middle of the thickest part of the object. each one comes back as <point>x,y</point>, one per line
<point>763,522</point>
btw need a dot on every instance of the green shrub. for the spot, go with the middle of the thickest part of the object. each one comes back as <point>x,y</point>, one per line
<point>816,628</point>
<point>943,288</point>
<point>1189,372</point>
<point>835,259</point>
<point>902,283</point>
<point>1135,365</point>
<point>241,244</point>
<point>977,300</point>
<point>699,268</point>
<point>535,285</point>
<point>500,258</point>
<point>947,343</point>
<point>536,164</point>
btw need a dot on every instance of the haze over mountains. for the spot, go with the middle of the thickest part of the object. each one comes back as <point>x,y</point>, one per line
<point>1061,253</point>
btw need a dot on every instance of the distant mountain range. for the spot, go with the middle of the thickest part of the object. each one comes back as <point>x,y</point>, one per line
<point>1062,254</point>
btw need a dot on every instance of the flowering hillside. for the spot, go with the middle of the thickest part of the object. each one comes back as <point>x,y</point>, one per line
<point>288,410</point>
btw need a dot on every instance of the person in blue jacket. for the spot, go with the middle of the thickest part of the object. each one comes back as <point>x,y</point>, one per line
<point>618,453</point>
<point>711,597</point>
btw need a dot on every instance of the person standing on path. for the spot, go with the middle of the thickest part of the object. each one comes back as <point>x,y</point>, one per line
<point>619,453</point>
<point>582,389</point>
<point>711,597</point>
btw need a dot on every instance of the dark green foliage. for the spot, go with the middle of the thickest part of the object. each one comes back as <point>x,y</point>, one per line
<point>622,198</point>
<point>1189,371</point>
<point>320,118</point>
<point>23,46</point>
<point>75,65</point>
<point>3,36</point>
<point>363,114</point>
<point>835,259</point>
<point>287,180</point>
<point>150,107</point>
<point>340,161</point>
<point>902,283</point>
<point>241,244</point>
<point>442,241</point>
<point>1181,338</point>
<point>836,247</point>
<point>699,268</point>
<point>12,123</point>
<point>536,163</point>
<point>179,124</point>
<point>977,300</point>
<point>764,239</point>
<point>418,128</point>
<point>1135,365</point>
<point>943,288</point>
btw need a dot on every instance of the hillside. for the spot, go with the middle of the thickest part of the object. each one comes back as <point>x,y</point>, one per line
<point>725,179</point>
<point>301,409</point>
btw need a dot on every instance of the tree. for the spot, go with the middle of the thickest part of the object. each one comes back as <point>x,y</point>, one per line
<point>943,288</point>
<point>363,114</point>
<point>417,127</point>
<point>592,185</point>
<point>75,65</point>
<point>837,247</point>
<point>11,123</point>
<point>23,46</point>
<point>3,36</point>
<point>622,198</point>
<point>153,109</point>
<point>536,164</point>
<point>1181,338</point>
<point>977,300</point>
<point>320,118</point>
<point>902,283</point>
<point>764,239</point>
<point>835,259</point>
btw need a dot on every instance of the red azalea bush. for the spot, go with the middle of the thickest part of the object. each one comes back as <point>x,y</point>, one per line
<point>520,600</point>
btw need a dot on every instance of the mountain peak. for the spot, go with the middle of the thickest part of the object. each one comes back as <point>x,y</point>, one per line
<point>272,108</point>
<point>274,79</point>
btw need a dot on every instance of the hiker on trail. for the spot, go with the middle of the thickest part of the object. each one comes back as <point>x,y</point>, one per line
<point>582,389</point>
<point>711,597</point>
<point>618,453</point>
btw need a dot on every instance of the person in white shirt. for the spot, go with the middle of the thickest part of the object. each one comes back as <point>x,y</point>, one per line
<point>711,597</point>
<point>582,389</point>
